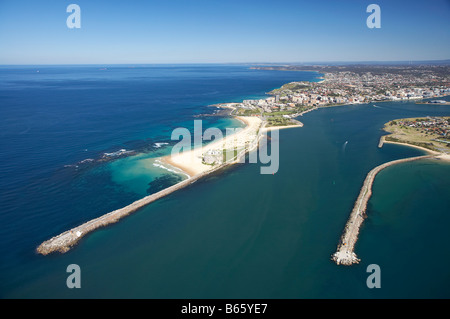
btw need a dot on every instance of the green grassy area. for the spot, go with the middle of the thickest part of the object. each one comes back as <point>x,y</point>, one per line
<point>427,145</point>
<point>278,121</point>
<point>293,86</point>
<point>247,112</point>
<point>279,113</point>
<point>418,136</point>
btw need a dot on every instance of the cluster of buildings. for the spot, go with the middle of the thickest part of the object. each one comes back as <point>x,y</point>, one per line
<point>231,146</point>
<point>349,88</point>
<point>213,156</point>
<point>434,125</point>
<point>271,104</point>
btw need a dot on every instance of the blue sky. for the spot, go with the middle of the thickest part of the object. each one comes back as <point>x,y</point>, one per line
<point>211,31</point>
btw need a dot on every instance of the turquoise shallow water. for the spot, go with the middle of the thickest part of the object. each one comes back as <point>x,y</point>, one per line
<point>240,234</point>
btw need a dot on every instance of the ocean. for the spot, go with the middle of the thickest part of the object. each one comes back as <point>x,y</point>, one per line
<point>234,234</point>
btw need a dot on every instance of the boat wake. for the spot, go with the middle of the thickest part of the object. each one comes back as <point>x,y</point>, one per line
<point>344,146</point>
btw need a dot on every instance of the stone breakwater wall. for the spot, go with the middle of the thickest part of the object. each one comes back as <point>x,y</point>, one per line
<point>345,254</point>
<point>66,240</point>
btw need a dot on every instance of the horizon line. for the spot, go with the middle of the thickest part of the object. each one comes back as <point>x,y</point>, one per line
<point>260,62</point>
<point>447,61</point>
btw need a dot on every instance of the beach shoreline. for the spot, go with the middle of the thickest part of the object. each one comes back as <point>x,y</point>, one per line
<point>191,161</point>
<point>411,145</point>
<point>421,133</point>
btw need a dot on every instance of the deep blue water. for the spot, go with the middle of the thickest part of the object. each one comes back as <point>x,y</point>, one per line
<point>57,116</point>
<point>234,235</point>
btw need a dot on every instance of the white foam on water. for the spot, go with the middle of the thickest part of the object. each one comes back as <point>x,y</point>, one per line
<point>159,164</point>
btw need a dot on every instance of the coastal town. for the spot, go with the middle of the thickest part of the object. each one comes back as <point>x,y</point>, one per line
<point>349,85</point>
<point>344,85</point>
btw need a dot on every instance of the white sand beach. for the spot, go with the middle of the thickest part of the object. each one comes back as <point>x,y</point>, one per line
<point>191,161</point>
<point>415,146</point>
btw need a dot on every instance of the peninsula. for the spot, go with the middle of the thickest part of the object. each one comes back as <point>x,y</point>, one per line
<point>196,163</point>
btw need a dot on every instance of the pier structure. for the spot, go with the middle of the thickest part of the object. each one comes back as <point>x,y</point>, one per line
<point>345,254</point>
<point>381,142</point>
